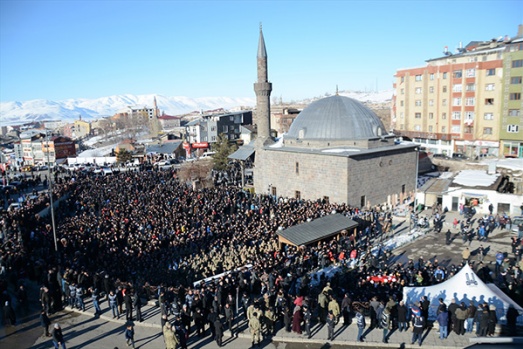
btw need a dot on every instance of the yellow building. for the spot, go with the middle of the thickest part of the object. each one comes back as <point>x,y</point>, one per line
<point>455,102</point>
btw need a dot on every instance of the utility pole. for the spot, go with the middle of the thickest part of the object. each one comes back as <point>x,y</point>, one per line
<point>50,188</point>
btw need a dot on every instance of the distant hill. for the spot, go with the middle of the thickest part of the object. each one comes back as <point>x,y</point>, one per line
<point>15,113</point>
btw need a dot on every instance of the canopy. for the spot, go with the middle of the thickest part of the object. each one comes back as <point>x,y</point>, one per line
<point>465,287</point>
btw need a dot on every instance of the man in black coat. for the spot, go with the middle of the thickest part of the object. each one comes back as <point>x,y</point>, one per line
<point>137,303</point>
<point>128,305</point>
<point>218,330</point>
<point>424,305</point>
<point>453,321</point>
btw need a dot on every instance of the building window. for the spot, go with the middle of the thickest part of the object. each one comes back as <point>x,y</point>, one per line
<point>444,89</point>
<point>469,115</point>
<point>444,76</point>
<point>456,115</point>
<point>297,168</point>
<point>517,63</point>
<point>513,112</point>
<point>491,72</point>
<point>431,102</point>
<point>419,77</point>
<point>443,129</point>
<point>456,101</point>
<point>401,115</point>
<point>489,87</point>
<point>487,130</point>
<point>431,89</point>
<point>457,88</point>
<point>470,101</point>
<point>430,128</point>
<point>455,129</point>
<point>225,128</point>
<point>444,102</point>
<point>458,74</point>
<point>213,138</point>
<point>471,73</point>
<point>402,79</point>
<point>363,201</point>
<point>444,116</point>
<point>515,80</point>
<point>401,103</point>
<point>418,103</point>
<point>402,91</point>
<point>489,101</point>
<point>471,87</point>
<point>417,127</point>
<point>273,191</point>
<point>512,128</point>
<point>431,76</point>
<point>417,115</point>
<point>488,116</point>
<point>431,115</point>
<point>468,129</point>
<point>516,96</point>
<point>418,90</point>
<point>297,195</point>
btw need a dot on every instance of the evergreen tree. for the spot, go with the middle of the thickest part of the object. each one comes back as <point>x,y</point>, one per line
<point>223,149</point>
<point>123,155</point>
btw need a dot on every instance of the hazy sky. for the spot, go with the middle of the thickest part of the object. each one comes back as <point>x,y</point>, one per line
<point>88,49</point>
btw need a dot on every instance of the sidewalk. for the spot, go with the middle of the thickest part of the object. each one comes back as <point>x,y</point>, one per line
<point>343,335</point>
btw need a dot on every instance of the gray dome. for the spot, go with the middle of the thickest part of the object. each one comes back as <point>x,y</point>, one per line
<point>336,118</point>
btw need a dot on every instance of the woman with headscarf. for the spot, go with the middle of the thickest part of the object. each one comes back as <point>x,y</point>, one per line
<point>297,318</point>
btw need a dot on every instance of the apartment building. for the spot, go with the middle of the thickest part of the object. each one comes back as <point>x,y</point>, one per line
<point>467,102</point>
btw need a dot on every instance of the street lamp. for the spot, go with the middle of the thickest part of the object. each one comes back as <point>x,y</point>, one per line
<point>50,188</point>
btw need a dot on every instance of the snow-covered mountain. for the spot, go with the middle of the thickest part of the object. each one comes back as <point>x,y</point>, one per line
<point>12,113</point>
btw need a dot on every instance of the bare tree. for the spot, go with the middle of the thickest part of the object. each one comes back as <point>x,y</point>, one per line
<point>196,173</point>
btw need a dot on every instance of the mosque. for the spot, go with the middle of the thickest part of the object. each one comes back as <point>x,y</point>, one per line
<point>336,149</point>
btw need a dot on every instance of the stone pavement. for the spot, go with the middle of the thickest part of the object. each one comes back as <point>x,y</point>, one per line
<point>430,246</point>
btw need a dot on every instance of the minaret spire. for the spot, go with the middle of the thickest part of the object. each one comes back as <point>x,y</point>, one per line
<point>263,90</point>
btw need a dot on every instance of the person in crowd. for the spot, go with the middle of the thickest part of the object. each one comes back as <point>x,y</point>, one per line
<point>418,325</point>
<point>58,337</point>
<point>331,324</point>
<point>443,321</point>
<point>45,322</point>
<point>360,322</point>
<point>129,335</point>
<point>255,328</point>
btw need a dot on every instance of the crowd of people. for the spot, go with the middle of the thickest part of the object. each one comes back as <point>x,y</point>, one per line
<point>144,235</point>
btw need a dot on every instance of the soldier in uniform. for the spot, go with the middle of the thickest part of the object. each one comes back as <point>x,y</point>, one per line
<point>255,328</point>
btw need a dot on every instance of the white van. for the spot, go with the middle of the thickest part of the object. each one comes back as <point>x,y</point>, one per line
<point>208,155</point>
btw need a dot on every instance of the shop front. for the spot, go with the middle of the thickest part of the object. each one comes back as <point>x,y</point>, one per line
<point>512,149</point>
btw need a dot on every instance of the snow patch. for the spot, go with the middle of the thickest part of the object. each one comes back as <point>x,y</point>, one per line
<point>475,178</point>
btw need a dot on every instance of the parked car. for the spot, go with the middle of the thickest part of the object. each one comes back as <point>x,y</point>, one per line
<point>459,156</point>
<point>441,156</point>
<point>14,206</point>
<point>208,155</point>
<point>516,223</point>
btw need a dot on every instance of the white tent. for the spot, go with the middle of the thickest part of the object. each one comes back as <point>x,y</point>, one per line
<point>465,287</point>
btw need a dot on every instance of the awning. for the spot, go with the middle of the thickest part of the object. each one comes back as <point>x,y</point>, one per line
<point>243,153</point>
<point>61,161</point>
<point>316,230</point>
<point>474,195</point>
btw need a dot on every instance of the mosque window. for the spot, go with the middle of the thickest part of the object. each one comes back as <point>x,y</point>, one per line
<point>297,168</point>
